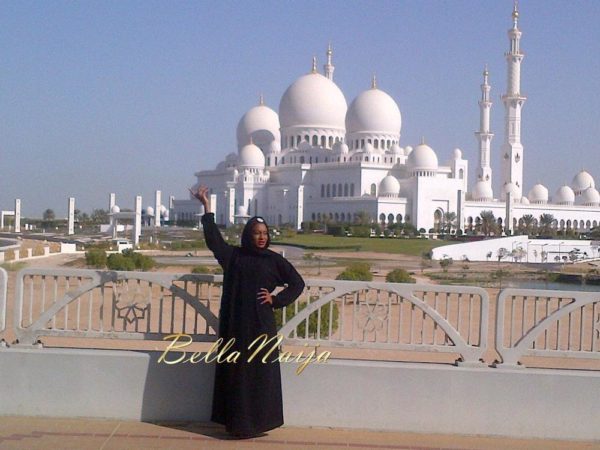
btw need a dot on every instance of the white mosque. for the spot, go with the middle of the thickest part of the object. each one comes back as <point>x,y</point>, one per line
<point>320,159</point>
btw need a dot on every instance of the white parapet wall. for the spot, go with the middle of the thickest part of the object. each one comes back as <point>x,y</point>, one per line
<point>422,398</point>
<point>532,250</point>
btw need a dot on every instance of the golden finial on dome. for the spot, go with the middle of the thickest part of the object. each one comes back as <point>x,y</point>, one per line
<point>374,82</point>
<point>422,140</point>
<point>261,100</point>
<point>314,66</point>
<point>486,71</point>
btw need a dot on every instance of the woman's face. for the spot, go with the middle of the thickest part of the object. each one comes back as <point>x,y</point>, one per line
<point>259,235</point>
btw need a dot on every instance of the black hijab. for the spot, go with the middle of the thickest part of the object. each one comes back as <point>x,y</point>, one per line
<point>247,244</point>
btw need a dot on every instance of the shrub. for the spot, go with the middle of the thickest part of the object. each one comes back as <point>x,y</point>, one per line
<point>118,261</point>
<point>201,269</point>
<point>357,271</point>
<point>129,260</point>
<point>96,258</point>
<point>445,263</point>
<point>399,276</point>
<point>312,319</point>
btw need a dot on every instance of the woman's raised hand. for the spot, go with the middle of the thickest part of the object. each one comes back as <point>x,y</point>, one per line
<point>202,195</point>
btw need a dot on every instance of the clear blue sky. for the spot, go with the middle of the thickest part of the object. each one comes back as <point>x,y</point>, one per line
<point>133,96</point>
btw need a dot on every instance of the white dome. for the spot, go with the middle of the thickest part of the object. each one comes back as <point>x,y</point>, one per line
<point>457,153</point>
<point>251,157</point>
<point>538,194</point>
<point>389,187</point>
<point>482,192</point>
<point>373,111</point>
<point>513,190</point>
<point>408,150</point>
<point>259,125</point>
<point>313,101</point>
<point>396,149</point>
<point>163,210</point>
<point>369,148</point>
<point>115,209</point>
<point>582,181</point>
<point>241,211</point>
<point>274,147</point>
<point>590,197</point>
<point>423,158</point>
<point>149,211</point>
<point>564,196</point>
<point>524,200</point>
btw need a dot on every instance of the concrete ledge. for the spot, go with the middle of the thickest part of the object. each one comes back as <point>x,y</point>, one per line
<point>422,398</point>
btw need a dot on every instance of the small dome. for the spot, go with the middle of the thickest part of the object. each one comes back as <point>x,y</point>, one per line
<point>389,187</point>
<point>538,194</point>
<point>115,209</point>
<point>274,147</point>
<point>259,125</point>
<point>564,196</point>
<point>396,149</point>
<point>582,181</point>
<point>241,211</point>
<point>369,148</point>
<point>313,101</point>
<point>149,211</point>
<point>590,197</point>
<point>524,200</point>
<point>251,157</point>
<point>408,150</point>
<point>482,192</point>
<point>457,154</point>
<point>304,146</point>
<point>163,210</point>
<point>423,158</point>
<point>344,148</point>
<point>373,111</point>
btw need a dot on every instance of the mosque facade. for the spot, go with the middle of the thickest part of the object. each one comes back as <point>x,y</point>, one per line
<point>319,159</point>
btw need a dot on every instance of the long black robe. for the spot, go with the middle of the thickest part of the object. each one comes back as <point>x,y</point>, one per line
<point>247,395</point>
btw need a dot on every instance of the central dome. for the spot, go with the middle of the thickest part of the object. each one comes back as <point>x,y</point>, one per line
<point>374,111</point>
<point>313,101</point>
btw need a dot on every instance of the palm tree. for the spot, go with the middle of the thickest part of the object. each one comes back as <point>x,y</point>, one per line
<point>546,222</point>
<point>528,221</point>
<point>449,221</point>
<point>489,224</point>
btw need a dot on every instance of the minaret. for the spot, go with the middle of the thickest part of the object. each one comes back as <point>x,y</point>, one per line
<point>484,136</point>
<point>329,68</point>
<point>512,149</point>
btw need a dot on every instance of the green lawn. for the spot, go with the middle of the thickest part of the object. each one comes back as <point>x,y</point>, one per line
<point>414,247</point>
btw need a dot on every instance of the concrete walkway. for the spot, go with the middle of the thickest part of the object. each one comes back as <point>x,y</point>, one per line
<point>29,433</point>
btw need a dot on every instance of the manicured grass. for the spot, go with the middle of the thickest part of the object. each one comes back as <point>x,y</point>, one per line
<point>414,247</point>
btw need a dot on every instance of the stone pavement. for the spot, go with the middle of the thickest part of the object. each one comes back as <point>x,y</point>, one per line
<point>31,433</point>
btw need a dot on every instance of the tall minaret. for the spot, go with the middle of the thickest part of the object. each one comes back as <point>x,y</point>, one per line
<point>329,68</point>
<point>512,149</point>
<point>484,136</point>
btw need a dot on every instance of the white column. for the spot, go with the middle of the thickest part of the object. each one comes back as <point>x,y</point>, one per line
<point>508,225</point>
<point>112,201</point>
<point>157,200</point>
<point>18,215</point>
<point>137,226</point>
<point>71,215</point>
<point>300,208</point>
<point>484,136</point>
<point>213,206</point>
<point>230,206</point>
<point>460,210</point>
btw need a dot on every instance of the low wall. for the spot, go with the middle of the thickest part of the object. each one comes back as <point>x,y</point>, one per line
<point>422,398</point>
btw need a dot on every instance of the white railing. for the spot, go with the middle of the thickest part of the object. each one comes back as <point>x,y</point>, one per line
<point>110,304</point>
<point>342,314</point>
<point>413,317</point>
<point>3,289</point>
<point>547,323</point>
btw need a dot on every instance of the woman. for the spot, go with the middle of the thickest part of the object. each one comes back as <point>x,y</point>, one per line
<point>247,394</point>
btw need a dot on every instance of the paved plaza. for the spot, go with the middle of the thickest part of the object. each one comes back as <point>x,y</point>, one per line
<point>29,433</point>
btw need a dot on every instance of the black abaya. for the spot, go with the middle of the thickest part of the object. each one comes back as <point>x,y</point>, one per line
<point>247,395</point>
